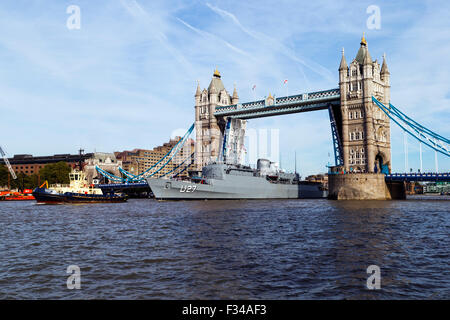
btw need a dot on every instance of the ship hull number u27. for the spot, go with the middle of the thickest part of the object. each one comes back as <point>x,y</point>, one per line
<point>189,188</point>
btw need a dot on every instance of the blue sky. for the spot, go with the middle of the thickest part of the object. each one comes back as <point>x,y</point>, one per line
<point>126,79</point>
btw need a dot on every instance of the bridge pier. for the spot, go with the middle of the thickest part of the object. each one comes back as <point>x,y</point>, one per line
<point>364,186</point>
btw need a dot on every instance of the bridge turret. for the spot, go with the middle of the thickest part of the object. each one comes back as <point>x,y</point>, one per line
<point>343,68</point>
<point>384,67</point>
<point>198,94</point>
<point>367,64</point>
<point>385,74</point>
<point>344,87</point>
<point>235,97</point>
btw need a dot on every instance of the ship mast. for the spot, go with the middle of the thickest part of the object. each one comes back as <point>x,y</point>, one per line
<point>295,165</point>
<point>80,162</point>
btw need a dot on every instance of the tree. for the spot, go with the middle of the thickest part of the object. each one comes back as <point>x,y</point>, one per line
<point>56,173</point>
<point>3,176</point>
<point>24,181</point>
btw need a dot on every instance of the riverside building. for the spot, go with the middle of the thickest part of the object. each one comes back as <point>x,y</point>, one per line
<point>138,161</point>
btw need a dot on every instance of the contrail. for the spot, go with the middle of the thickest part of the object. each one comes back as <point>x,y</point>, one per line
<point>142,15</point>
<point>210,35</point>
<point>315,67</point>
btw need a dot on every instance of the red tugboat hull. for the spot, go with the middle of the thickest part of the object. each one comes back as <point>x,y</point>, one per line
<point>16,196</point>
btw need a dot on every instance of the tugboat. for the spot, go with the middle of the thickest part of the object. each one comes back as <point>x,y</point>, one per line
<point>77,192</point>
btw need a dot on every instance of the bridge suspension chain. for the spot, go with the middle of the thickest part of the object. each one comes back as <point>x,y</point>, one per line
<point>416,130</point>
<point>108,175</point>
<point>191,157</point>
<point>157,167</point>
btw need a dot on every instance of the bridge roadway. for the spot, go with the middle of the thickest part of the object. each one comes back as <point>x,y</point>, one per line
<point>318,100</point>
<point>415,177</point>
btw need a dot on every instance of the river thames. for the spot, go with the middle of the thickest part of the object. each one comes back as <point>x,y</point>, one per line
<point>280,249</point>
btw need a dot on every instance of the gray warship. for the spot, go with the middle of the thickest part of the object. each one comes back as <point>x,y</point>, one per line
<point>234,181</point>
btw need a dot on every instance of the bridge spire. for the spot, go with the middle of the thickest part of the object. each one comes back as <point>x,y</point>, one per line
<point>367,57</point>
<point>343,65</point>
<point>384,67</point>
<point>217,73</point>
<point>198,91</point>
<point>235,97</point>
<point>363,40</point>
<point>363,56</point>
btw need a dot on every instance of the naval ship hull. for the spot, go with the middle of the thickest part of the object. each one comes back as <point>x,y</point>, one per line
<point>235,188</point>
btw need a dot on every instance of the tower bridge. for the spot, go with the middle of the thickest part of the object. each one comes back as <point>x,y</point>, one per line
<point>361,132</point>
<point>360,117</point>
<point>360,114</point>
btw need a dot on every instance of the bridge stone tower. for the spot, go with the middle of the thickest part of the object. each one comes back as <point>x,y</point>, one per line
<point>365,131</point>
<point>208,128</point>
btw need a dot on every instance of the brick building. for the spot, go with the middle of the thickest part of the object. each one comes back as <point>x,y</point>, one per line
<point>137,161</point>
<point>28,164</point>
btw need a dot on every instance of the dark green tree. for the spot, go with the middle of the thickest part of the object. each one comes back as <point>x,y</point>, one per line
<point>24,181</point>
<point>55,173</point>
<point>3,176</point>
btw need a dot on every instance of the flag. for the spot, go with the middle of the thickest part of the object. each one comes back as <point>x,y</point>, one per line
<point>285,81</point>
<point>254,86</point>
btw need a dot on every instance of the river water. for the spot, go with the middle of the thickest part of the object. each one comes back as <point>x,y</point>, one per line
<point>277,249</point>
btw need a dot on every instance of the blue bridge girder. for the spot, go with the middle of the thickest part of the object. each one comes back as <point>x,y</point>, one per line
<point>415,177</point>
<point>122,186</point>
<point>319,100</point>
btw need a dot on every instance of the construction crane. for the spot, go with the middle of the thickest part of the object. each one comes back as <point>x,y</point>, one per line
<point>5,159</point>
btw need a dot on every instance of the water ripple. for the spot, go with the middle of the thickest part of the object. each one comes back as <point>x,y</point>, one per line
<point>297,249</point>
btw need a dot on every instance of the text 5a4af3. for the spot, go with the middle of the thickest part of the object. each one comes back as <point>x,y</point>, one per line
<point>235,309</point>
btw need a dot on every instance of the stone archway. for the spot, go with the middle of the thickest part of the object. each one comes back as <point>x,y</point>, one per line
<point>381,166</point>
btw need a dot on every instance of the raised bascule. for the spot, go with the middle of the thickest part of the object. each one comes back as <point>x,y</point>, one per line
<point>360,116</point>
